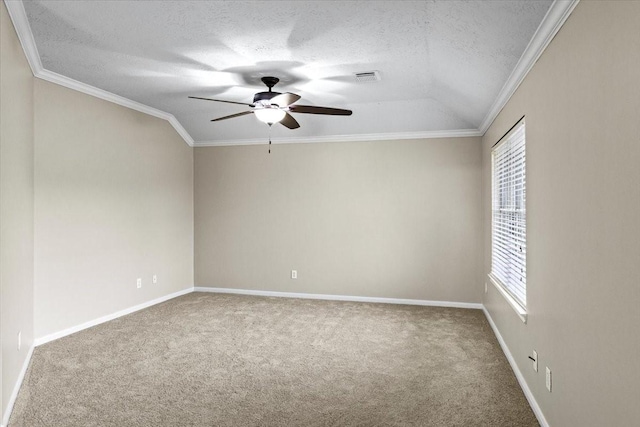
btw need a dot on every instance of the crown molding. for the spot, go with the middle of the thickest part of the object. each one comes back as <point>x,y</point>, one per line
<point>20,22</point>
<point>557,14</point>
<point>345,138</point>
<point>116,99</point>
<point>19,18</point>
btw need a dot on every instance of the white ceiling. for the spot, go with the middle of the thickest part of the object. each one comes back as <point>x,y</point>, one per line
<point>443,63</point>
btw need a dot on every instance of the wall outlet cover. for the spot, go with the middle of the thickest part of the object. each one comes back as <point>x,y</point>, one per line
<point>548,379</point>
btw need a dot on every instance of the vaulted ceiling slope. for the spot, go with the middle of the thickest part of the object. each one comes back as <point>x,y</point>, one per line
<point>446,67</point>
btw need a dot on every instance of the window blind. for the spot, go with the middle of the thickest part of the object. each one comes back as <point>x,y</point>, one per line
<point>508,227</point>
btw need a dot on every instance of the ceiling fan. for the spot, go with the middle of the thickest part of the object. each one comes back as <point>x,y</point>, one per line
<point>274,107</point>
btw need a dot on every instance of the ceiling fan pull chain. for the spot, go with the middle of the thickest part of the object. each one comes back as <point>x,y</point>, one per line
<point>270,124</point>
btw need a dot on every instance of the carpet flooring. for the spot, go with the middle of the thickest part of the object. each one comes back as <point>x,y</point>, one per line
<point>228,360</point>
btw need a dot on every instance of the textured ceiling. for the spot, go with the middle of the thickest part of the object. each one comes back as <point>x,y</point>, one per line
<point>443,63</point>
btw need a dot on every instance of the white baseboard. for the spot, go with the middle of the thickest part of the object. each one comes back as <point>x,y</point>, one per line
<point>16,388</point>
<point>54,336</point>
<point>339,297</point>
<point>523,384</point>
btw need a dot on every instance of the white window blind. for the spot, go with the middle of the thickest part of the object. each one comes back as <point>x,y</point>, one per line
<point>509,220</point>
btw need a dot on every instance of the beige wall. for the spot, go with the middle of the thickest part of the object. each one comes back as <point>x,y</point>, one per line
<point>582,106</point>
<point>396,219</point>
<point>16,206</point>
<point>113,202</point>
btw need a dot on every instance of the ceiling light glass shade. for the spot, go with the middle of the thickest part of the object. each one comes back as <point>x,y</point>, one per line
<point>269,115</point>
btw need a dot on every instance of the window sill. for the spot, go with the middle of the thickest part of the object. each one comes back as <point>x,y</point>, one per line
<point>521,312</point>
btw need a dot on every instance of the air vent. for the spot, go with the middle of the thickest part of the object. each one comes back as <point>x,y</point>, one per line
<point>368,76</point>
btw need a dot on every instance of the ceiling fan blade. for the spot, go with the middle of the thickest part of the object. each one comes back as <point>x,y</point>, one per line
<point>290,122</point>
<point>311,109</point>
<point>221,100</point>
<point>232,116</point>
<point>284,99</point>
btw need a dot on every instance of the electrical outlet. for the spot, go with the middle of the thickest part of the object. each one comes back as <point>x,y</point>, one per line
<point>154,279</point>
<point>139,283</point>
<point>535,360</point>
<point>19,340</point>
<point>548,379</point>
<point>485,287</point>
<point>294,274</point>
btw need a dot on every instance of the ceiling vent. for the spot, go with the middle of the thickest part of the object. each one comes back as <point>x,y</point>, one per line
<point>368,76</point>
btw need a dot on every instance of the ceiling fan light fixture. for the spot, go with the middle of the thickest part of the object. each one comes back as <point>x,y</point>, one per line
<point>269,115</point>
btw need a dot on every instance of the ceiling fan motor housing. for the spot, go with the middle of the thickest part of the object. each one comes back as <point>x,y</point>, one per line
<point>264,96</point>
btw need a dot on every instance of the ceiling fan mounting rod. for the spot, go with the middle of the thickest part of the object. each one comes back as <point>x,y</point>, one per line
<point>270,81</point>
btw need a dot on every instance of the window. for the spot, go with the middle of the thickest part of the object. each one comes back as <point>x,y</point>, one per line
<point>508,219</point>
